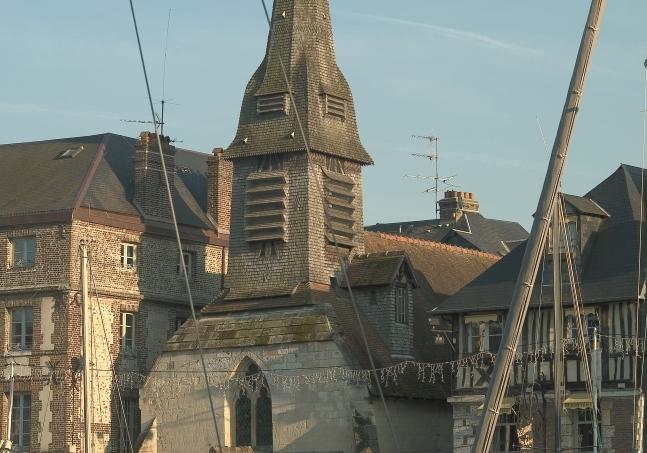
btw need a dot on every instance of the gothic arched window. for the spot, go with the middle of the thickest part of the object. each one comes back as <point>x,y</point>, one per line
<point>252,418</point>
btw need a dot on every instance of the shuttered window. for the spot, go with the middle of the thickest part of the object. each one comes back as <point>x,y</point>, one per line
<point>335,106</point>
<point>339,198</point>
<point>265,215</point>
<point>272,103</point>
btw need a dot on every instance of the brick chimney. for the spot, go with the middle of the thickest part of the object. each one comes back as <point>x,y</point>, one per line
<point>149,189</point>
<point>219,180</point>
<point>456,203</point>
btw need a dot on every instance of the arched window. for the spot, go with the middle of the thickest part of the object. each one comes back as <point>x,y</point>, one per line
<point>252,418</point>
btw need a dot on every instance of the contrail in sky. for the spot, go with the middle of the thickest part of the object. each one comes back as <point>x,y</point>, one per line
<point>448,32</point>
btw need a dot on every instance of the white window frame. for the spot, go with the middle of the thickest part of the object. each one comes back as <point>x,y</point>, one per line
<point>506,425</point>
<point>128,337</point>
<point>23,252</point>
<point>478,333</point>
<point>401,305</point>
<point>189,260</point>
<point>583,417</point>
<point>22,318</point>
<point>21,420</point>
<point>128,256</point>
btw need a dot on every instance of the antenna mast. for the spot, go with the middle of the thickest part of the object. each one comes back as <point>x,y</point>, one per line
<point>432,156</point>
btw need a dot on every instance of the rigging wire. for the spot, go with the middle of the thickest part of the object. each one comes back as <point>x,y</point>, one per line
<point>334,237</point>
<point>196,322</point>
<point>574,281</point>
<point>105,338</point>
<point>639,273</point>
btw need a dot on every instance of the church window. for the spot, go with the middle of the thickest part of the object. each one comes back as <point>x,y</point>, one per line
<point>272,103</point>
<point>335,106</point>
<point>252,420</point>
<point>339,197</point>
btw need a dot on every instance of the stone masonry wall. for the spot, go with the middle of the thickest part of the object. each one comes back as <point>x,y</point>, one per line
<point>615,422</point>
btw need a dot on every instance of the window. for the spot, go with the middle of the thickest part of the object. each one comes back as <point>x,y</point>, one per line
<point>179,321</point>
<point>23,251</point>
<point>129,424</point>
<point>189,259</point>
<point>401,305</point>
<point>272,103</point>
<point>505,436</point>
<point>253,412</point>
<point>128,256</point>
<point>128,332</point>
<point>335,106</point>
<point>21,420</point>
<point>483,336</point>
<point>22,329</point>
<point>585,436</point>
<point>495,331</point>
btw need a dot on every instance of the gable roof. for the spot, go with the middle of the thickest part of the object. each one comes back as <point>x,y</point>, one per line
<point>472,230</point>
<point>609,270</point>
<point>375,269</point>
<point>34,180</point>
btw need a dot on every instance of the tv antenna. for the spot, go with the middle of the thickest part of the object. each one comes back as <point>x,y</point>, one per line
<point>160,119</point>
<point>445,181</point>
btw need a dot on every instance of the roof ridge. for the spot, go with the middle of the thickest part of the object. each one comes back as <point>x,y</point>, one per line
<point>440,245</point>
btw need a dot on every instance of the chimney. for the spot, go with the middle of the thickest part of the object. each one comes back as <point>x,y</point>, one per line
<point>219,180</point>
<point>456,203</point>
<point>149,190</point>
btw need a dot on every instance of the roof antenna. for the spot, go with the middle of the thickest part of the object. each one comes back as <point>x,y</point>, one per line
<point>433,156</point>
<point>164,100</point>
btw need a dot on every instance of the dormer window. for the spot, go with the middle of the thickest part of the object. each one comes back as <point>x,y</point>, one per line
<point>335,106</point>
<point>272,103</point>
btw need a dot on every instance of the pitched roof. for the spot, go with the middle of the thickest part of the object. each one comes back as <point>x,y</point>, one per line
<point>375,269</point>
<point>609,270</point>
<point>472,230</point>
<point>34,180</point>
<point>585,205</point>
<point>301,38</point>
<point>445,268</point>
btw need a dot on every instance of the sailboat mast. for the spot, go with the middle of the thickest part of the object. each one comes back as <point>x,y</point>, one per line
<point>535,245</point>
<point>558,358</point>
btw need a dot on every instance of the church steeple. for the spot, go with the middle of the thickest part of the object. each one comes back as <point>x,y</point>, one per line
<point>301,36</point>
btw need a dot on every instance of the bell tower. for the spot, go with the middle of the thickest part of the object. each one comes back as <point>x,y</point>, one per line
<point>279,237</point>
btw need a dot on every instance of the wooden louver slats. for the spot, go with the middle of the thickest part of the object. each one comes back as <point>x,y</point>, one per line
<point>335,106</point>
<point>271,103</point>
<point>339,198</point>
<point>265,215</point>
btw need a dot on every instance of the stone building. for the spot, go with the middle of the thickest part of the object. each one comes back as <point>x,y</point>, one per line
<point>106,190</point>
<point>461,223</point>
<point>282,342</point>
<point>603,230</point>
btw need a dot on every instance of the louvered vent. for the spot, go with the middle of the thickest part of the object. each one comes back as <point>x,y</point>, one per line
<point>272,103</point>
<point>339,199</point>
<point>335,106</point>
<point>265,213</point>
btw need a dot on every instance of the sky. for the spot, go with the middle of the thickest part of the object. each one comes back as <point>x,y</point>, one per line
<point>487,78</point>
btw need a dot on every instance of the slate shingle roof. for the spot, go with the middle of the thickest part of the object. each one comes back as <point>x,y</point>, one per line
<point>609,272</point>
<point>472,230</point>
<point>33,180</point>
<point>374,269</point>
<point>302,39</point>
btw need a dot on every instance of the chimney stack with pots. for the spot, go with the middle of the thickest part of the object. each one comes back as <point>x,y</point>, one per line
<point>456,203</point>
<point>149,189</point>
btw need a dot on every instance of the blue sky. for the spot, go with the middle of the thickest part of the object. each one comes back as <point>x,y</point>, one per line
<point>480,75</point>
